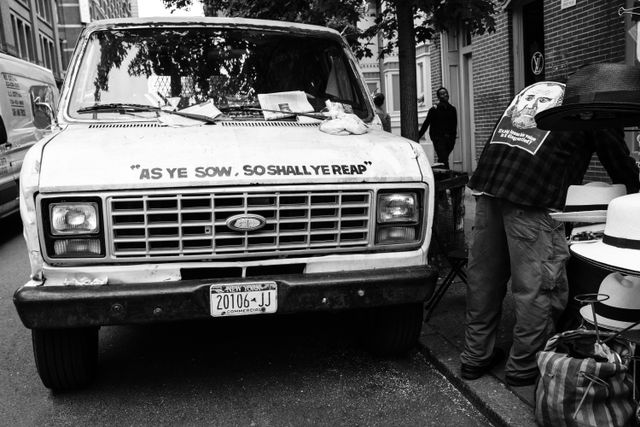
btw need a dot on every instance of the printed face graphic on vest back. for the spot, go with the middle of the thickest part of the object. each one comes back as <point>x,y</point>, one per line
<point>531,101</point>
<point>517,127</point>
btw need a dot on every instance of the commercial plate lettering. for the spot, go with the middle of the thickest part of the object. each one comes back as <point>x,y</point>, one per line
<point>243,299</point>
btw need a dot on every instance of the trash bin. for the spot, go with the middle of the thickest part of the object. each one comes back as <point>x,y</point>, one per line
<point>448,218</point>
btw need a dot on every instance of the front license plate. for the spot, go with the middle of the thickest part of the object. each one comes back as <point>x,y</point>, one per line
<point>244,299</point>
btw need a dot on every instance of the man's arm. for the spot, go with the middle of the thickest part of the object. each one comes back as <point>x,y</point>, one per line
<point>386,122</point>
<point>455,122</point>
<point>427,122</point>
<point>616,158</point>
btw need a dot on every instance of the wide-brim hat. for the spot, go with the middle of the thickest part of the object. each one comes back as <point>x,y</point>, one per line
<point>589,202</point>
<point>622,309</point>
<point>619,248</point>
<point>596,96</point>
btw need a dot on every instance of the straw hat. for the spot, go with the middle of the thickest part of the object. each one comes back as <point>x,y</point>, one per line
<point>619,248</point>
<point>596,96</point>
<point>622,309</point>
<point>588,202</point>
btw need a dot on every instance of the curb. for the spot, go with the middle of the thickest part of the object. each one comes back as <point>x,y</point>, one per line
<point>488,394</point>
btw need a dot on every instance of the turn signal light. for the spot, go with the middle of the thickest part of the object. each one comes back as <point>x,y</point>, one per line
<point>76,247</point>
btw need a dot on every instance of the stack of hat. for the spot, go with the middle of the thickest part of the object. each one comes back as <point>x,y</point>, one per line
<point>618,250</point>
<point>589,202</point>
<point>622,309</point>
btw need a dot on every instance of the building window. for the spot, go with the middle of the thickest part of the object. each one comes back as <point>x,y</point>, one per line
<point>23,38</point>
<point>452,38</point>
<point>467,39</point>
<point>15,33</point>
<point>423,82</point>
<point>29,40</point>
<point>421,95</point>
<point>395,90</point>
<point>43,9</point>
<point>48,53</point>
<point>420,81</point>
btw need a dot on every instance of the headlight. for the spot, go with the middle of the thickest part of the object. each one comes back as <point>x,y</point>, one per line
<point>397,207</point>
<point>74,218</point>
<point>399,218</point>
<point>73,227</point>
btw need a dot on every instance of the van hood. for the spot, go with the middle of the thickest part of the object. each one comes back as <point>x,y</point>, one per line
<point>84,158</point>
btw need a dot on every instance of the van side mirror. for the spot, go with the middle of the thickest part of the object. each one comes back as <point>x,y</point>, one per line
<point>48,108</point>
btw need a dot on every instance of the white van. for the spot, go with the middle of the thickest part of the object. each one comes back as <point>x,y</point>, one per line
<point>216,167</point>
<point>22,122</point>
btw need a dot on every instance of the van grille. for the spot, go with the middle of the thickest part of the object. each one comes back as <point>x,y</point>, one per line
<point>193,225</point>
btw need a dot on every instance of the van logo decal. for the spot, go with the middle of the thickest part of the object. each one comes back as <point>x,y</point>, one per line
<point>246,222</point>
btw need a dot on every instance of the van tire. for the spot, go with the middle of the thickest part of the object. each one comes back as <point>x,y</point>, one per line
<point>66,359</point>
<point>391,331</point>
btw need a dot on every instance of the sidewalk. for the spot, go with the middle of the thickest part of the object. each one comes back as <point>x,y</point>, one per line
<point>442,340</point>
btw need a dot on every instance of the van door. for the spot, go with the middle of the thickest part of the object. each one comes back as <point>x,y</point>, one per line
<point>23,123</point>
<point>8,182</point>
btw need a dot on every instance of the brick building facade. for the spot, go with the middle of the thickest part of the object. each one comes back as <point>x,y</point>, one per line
<point>569,34</point>
<point>45,31</point>
<point>75,14</point>
<point>492,79</point>
<point>29,31</point>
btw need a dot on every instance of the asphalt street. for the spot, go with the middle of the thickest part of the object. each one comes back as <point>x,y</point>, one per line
<point>252,371</point>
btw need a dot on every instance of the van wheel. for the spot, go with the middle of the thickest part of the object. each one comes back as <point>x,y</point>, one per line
<point>66,359</point>
<point>393,330</point>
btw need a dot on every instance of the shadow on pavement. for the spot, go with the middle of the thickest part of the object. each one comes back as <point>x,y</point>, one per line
<point>10,227</point>
<point>301,369</point>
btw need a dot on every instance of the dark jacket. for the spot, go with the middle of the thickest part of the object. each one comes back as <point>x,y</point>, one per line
<point>442,121</point>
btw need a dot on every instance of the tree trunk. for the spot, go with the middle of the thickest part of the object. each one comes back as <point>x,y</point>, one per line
<point>380,38</point>
<point>407,57</point>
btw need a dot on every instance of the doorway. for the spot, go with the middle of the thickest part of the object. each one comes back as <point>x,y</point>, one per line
<point>467,114</point>
<point>528,38</point>
<point>457,67</point>
<point>533,42</point>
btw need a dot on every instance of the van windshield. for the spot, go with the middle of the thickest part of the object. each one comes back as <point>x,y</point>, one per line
<point>233,68</point>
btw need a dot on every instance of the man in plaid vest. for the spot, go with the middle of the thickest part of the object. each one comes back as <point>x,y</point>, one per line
<point>523,173</point>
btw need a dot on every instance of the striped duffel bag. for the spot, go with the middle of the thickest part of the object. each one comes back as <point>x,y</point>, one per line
<point>582,387</point>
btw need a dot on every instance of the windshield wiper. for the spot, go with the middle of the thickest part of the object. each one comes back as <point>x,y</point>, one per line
<point>314,115</point>
<point>124,108</point>
<point>117,107</point>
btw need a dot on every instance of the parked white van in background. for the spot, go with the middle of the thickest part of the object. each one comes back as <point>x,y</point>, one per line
<point>22,122</point>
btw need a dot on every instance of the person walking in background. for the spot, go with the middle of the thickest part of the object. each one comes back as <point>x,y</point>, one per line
<point>385,118</point>
<point>442,121</point>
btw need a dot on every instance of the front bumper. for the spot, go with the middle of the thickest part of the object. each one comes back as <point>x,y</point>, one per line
<point>80,306</point>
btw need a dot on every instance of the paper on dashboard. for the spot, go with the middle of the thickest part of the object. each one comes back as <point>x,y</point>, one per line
<point>204,109</point>
<point>284,104</point>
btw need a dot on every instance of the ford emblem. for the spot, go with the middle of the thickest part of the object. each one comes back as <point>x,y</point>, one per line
<point>246,222</point>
